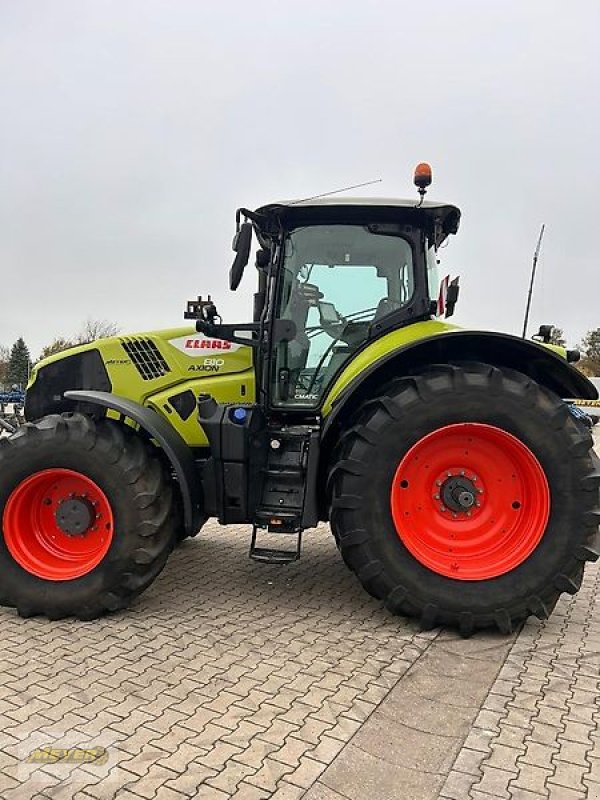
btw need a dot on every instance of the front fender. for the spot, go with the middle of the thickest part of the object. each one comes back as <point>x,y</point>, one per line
<point>174,447</point>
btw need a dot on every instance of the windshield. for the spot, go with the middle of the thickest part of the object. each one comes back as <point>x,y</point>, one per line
<point>335,281</point>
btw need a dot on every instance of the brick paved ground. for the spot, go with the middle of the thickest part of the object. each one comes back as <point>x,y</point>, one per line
<point>227,679</point>
<point>538,732</point>
<point>230,679</point>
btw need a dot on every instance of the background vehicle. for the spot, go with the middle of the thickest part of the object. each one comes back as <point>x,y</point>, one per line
<point>12,396</point>
<point>459,486</point>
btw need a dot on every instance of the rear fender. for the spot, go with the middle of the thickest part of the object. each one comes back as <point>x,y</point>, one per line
<point>540,363</point>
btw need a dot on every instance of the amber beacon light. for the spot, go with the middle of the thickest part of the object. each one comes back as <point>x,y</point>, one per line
<point>422,177</point>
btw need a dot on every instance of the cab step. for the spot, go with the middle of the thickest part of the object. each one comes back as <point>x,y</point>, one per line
<point>272,555</point>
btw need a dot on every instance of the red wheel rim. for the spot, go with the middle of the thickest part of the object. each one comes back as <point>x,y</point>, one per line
<point>58,524</point>
<point>470,501</point>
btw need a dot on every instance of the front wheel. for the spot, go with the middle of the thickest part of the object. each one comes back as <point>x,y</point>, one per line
<point>85,517</point>
<point>467,495</point>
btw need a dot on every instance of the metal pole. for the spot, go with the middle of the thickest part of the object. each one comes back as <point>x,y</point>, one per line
<point>533,271</point>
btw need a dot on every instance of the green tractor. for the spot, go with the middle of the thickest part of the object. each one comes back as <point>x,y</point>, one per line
<point>460,486</point>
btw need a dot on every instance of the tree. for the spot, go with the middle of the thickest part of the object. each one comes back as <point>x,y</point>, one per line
<point>90,331</point>
<point>4,359</point>
<point>558,337</point>
<point>94,329</point>
<point>590,345</point>
<point>590,350</point>
<point>19,363</point>
<point>56,346</point>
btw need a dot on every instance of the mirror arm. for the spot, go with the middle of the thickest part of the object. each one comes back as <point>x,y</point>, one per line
<point>228,332</point>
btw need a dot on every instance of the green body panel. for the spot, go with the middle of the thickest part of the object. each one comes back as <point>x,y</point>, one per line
<point>380,348</point>
<point>195,363</point>
<point>222,369</point>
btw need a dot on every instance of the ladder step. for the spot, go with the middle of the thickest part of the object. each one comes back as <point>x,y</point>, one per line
<point>283,473</point>
<point>272,555</point>
<point>266,555</point>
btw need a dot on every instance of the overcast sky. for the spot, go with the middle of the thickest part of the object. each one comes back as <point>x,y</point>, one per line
<point>130,131</point>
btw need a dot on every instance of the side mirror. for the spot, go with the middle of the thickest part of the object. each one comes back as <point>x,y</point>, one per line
<point>452,297</point>
<point>242,242</point>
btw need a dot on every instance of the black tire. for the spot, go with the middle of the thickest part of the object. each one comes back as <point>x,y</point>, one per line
<point>408,409</point>
<point>137,487</point>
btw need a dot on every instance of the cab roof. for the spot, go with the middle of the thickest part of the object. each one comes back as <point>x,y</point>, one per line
<point>440,218</point>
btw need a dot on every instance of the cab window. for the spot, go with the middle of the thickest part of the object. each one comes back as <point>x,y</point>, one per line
<point>335,281</point>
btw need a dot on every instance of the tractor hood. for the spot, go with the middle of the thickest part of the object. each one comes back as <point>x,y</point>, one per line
<point>438,219</point>
<point>142,367</point>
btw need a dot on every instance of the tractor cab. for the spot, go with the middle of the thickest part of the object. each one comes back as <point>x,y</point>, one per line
<point>345,272</point>
<point>334,275</point>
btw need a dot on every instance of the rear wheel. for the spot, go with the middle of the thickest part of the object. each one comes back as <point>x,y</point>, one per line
<point>467,496</point>
<point>86,521</point>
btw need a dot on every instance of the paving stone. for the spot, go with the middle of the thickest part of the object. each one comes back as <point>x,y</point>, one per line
<point>576,732</point>
<point>494,781</point>
<point>539,754</point>
<point>592,789</point>
<point>532,778</point>
<point>525,794</point>
<point>307,772</point>
<point>512,736</point>
<point>292,751</point>
<point>568,775</point>
<point>573,752</point>
<point>188,783</point>
<point>458,785</point>
<point>547,734</point>
<point>562,793</point>
<point>504,757</point>
<point>327,749</point>
<point>231,776</point>
<point>247,792</point>
<point>269,774</point>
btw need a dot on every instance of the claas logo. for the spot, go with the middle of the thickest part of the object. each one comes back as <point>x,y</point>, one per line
<point>207,344</point>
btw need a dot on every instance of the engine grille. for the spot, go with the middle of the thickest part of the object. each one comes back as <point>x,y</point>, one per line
<point>146,357</point>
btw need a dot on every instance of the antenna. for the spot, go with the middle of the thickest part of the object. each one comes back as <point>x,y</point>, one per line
<point>536,255</point>
<point>335,191</point>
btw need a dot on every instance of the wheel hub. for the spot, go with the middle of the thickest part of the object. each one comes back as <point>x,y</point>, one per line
<point>74,516</point>
<point>470,501</point>
<point>58,524</point>
<point>458,493</point>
